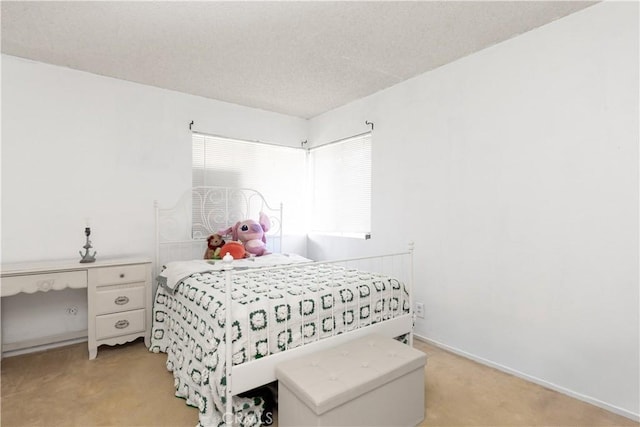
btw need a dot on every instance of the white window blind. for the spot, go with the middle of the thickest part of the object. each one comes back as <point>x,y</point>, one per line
<point>341,180</point>
<point>278,172</point>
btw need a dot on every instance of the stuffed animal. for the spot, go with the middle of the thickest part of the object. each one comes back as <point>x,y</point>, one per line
<point>235,249</point>
<point>251,234</point>
<point>214,243</point>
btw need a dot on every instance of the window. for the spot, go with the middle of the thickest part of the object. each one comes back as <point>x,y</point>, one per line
<point>326,189</point>
<point>341,187</point>
<point>278,172</point>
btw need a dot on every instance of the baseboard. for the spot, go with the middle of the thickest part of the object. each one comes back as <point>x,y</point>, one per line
<point>44,343</point>
<point>591,400</point>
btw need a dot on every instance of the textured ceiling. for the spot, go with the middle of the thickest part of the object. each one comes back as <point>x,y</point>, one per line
<point>297,58</point>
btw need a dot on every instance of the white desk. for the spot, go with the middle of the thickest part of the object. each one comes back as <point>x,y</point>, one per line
<point>118,296</point>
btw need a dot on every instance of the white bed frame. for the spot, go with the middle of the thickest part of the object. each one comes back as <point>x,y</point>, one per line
<point>181,236</point>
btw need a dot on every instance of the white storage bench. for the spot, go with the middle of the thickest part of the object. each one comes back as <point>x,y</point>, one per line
<point>371,381</point>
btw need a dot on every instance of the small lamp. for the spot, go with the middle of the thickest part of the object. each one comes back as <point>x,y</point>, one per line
<point>87,257</point>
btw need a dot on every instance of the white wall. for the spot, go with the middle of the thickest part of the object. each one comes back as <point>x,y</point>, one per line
<point>77,145</point>
<point>515,171</point>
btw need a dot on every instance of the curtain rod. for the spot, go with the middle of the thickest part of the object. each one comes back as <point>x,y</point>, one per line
<point>302,143</point>
<point>241,139</point>
<point>337,141</point>
<point>366,122</point>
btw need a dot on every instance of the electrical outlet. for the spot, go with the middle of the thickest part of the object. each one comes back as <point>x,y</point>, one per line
<point>420,310</point>
<point>72,311</point>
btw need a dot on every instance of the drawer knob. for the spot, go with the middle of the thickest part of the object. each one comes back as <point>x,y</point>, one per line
<point>121,300</point>
<point>121,324</point>
<point>122,275</point>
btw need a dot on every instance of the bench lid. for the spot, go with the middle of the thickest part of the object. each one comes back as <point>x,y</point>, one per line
<point>331,377</point>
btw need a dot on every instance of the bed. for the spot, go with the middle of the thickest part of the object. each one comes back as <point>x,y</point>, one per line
<point>282,305</point>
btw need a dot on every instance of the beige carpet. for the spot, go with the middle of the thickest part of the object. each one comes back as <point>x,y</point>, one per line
<point>128,386</point>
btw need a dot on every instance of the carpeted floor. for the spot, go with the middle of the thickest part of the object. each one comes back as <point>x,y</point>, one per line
<point>128,386</point>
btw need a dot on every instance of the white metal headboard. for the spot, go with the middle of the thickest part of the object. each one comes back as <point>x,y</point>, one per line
<point>182,230</point>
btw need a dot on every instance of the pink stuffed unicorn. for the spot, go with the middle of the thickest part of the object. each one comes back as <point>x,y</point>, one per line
<point>251,234</point>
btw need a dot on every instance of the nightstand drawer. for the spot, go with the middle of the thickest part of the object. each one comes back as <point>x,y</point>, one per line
<point>121,274</point>
<point>113,299</point>
<point>43,282</point>
<point>113,325</point>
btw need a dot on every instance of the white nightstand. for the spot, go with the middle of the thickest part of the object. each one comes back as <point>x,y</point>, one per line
<point>118,295</point>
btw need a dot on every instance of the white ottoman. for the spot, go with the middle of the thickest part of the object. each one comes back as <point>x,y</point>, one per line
<point>372,381</point>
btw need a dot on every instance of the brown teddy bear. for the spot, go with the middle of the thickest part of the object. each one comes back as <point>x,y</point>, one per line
<point>214,243</point>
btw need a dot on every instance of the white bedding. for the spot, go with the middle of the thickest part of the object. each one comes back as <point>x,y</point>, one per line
<point>175,271</point>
